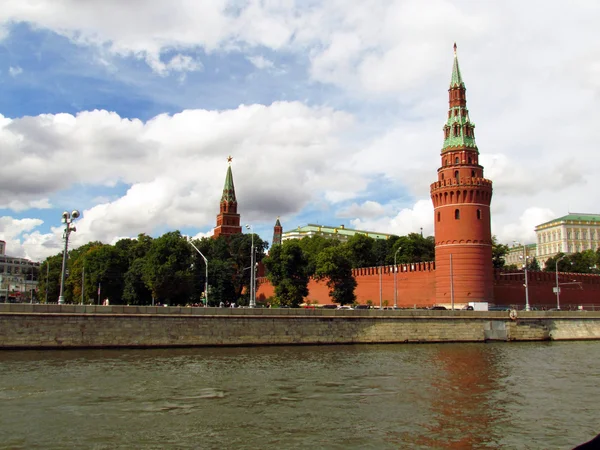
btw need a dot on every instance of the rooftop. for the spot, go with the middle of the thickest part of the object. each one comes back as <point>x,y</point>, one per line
<point>340,230</point>
<point>573,217</point>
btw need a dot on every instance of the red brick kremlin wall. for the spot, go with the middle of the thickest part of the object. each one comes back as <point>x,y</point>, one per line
<point>416,287</point>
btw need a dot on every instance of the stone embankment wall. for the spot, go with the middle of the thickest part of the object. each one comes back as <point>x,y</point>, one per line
<point>66,326</point>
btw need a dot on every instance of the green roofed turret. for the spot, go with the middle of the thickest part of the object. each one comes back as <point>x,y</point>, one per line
<point>228,189</point>
<point>459,131</point>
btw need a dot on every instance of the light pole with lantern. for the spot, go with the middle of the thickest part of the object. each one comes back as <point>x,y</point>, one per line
<point>252,302</point>
<point>396,278</point>
<point>67,219</point>
<point>206,275</point>
<point>557,286</point>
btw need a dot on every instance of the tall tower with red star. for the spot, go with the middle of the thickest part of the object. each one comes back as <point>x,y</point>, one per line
<point>461,199</point>
<point>228,219</point>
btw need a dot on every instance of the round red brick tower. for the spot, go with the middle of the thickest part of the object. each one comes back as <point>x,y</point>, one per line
<point>461,199</point>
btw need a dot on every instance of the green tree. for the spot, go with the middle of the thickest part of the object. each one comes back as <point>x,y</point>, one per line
<point>167,269</point>
<point>312,246</point>
<point>415,248</point>
<point>499,252</point>
<point>135,291</point>
<point>335,266</point>
<point>49,278</point>
<point>287,268</point>
<point>360,251</point>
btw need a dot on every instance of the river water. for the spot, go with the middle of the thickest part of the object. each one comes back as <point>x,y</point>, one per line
<point>421,396</point>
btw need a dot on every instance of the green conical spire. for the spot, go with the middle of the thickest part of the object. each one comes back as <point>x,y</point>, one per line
<point>278,223</point>
<point>456,80</point>
<point>228,189</point>
<point>459,129</point>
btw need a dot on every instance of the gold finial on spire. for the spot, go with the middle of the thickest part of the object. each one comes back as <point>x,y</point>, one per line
<point>455,49</point>
<point>229,159</point>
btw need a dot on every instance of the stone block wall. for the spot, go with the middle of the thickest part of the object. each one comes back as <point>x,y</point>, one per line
<point>69,326</point>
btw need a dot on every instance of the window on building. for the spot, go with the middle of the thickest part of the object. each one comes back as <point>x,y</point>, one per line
<point>457,214</point>
<point>456,174</point>
<point>473,173</point>
<point>439,216</point>
<point>469,160</point>
<point>479,214</point>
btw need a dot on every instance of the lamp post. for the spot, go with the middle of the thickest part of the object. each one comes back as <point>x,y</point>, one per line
<point>396,278</point>
<point>206,275</point>
<point>524,257</point>
<point>67,219</point>
<point>557,286</point>
<point>252,302</point>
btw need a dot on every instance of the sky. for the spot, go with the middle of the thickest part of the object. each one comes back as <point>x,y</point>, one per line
<point>332,111</point>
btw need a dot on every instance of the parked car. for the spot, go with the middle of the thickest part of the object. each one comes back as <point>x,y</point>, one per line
<point>468,308</point>
<point>345,307</point>
<point>362,307</point>
<point>332,306</point>
<point>439,308</point>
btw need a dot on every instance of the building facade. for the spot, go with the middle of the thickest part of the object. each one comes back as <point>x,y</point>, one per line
<point>228,219</point>
<point>517,252</point>
<point>575,232</point>
<point>461,198</point>
<point>18,277</point>
<point>341,233</point>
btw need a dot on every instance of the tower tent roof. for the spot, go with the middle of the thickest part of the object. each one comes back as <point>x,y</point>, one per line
<point>456,80</point>
<point>278,223</point>
<point>228,189</point>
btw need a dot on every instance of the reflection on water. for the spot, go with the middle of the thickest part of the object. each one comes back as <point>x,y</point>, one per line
<point>537,395</point>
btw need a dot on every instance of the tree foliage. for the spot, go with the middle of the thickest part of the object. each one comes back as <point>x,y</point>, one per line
<point>166,269</point>
<point>288,271</point>
<point>499,252</point>
<point>334,265</point>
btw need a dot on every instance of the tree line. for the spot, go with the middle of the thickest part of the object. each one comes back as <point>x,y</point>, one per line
<point>168,270</point>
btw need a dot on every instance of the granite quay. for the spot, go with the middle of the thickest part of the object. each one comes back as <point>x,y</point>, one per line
<point>72,326</point>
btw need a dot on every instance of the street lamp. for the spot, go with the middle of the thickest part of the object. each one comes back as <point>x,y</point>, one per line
<point>252,302</point>
<point>206,275</point>
<point>557,286</point>
<point>524,257</point>
<point>396,278</point>
<point>67,219</point>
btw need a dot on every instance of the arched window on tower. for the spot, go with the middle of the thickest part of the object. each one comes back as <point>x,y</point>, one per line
<point>469,160</point>
<point>456,160</point>
<point>456,174</point>
<point>457,214</point>
<point>442,177</point>
<point>439,216</point>
<point>479,214</point>
<point>473,173</point>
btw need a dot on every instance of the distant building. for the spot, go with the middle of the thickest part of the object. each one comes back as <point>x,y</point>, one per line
<point>341,233</point>
<point>573,233</point>
<point>516,252</point>
<point>18,276</point>
<point>228,219</point>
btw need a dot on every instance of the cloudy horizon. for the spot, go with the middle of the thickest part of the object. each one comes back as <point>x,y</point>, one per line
<point>332,111</point>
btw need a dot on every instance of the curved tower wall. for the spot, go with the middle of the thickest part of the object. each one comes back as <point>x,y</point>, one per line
<point>461,199</point>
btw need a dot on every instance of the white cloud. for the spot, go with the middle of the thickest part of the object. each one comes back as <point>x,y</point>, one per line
<point>368,209</point>
<point>15,71</point>
<point>407,220</point>
<point>260,62</point>
<point>533,93</point>
<point>175,165</point>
